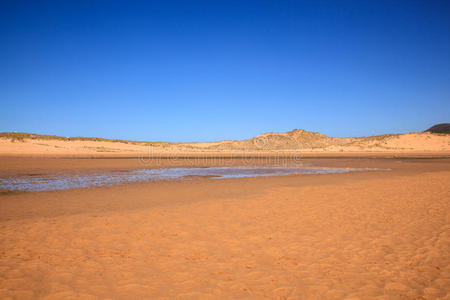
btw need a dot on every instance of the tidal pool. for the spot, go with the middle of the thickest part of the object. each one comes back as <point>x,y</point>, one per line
<point>71,180</point>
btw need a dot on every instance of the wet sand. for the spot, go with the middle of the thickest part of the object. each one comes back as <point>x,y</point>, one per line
<point>380,235</point>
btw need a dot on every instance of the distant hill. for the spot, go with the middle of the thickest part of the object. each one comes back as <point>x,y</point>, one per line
<point>440,128</point>
<point>295,139</point>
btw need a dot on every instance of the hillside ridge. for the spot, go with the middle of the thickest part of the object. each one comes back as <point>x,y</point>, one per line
<point>17,143</point>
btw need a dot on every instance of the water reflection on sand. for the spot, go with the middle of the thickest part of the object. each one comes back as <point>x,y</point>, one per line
<point>65,180</point>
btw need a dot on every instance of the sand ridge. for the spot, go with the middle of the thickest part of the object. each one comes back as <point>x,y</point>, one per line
<point>295,142</point>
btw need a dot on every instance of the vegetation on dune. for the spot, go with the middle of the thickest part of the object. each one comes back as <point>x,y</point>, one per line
<point>440,128</point>
<point>21,136</point>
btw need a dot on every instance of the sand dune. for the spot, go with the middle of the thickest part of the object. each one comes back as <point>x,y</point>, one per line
<point>294,141</point>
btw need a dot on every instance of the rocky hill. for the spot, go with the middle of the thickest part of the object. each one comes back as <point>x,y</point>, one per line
<point>440,128</point>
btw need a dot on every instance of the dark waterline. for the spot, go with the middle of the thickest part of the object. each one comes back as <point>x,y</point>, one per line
<point>63,181</point>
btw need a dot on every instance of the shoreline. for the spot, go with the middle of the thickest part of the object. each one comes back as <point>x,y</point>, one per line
<point>16,164</point>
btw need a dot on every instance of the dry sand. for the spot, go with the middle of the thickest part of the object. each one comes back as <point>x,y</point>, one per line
<point>298,142</point>
<point>380,235</point>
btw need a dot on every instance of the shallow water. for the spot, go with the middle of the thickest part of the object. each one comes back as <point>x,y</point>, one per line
<point>63,181</point>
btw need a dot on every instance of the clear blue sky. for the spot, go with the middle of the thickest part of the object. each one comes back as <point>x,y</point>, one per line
<point>210,70</point>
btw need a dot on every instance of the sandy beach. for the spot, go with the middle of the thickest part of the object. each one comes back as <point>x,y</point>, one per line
<point>225,150</point>
<point>362,235</point>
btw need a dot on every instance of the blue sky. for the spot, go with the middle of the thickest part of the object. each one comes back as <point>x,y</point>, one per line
<point>211,70</point>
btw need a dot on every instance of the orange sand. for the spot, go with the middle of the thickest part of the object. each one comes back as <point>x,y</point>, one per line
<point>372,235</point>
<point>296,142</point>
